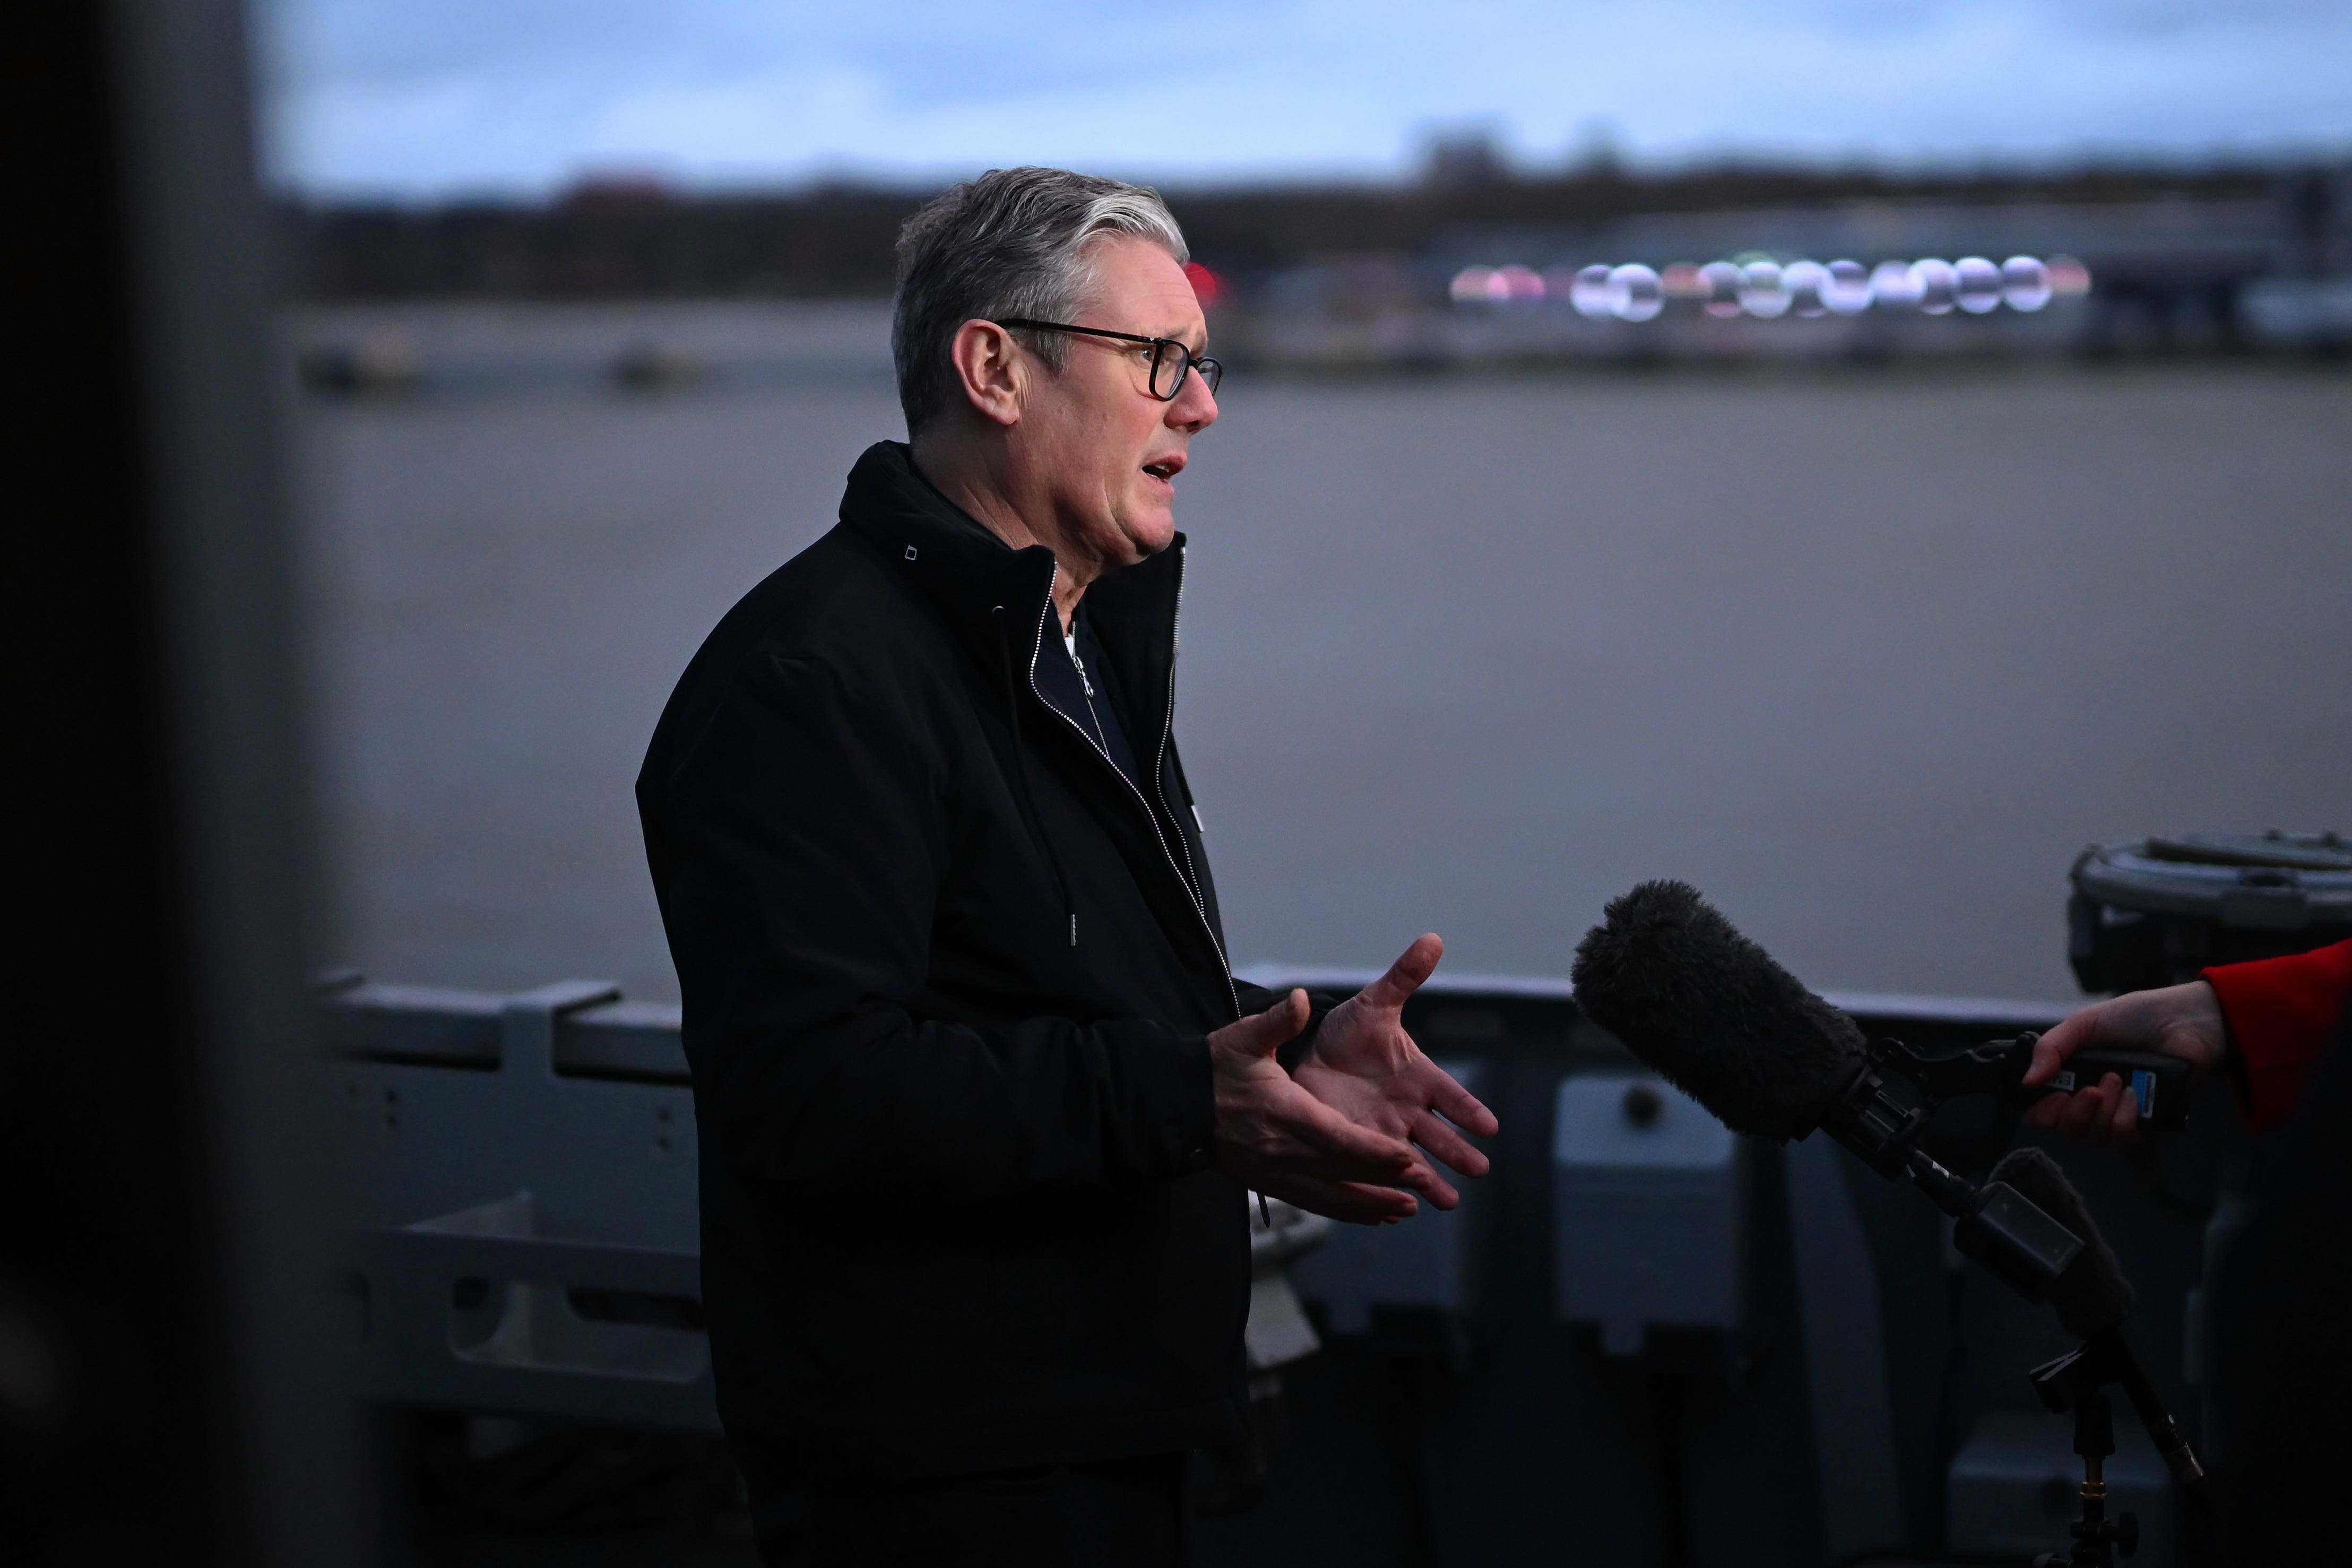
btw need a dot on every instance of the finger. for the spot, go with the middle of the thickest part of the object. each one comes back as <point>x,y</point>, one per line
<point>2042,1114</point>
<point>2099,1115</point>
<point>2072,1113</point>
<point>1413,967</point>
<point>1424,1179</point>
<point>1461,1107</point>
<point>2070,1035</point>
<point>1261,1034</point>
<point>2088,1114</point>
<point>1355,1202</point>
<point>2123,1124</point>
<point>1444,1142</point>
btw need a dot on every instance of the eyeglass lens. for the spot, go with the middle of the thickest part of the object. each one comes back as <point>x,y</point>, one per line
<point>1170,360</point>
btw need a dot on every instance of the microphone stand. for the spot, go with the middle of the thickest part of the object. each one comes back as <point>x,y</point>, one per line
<point>2011,1238</point>
<point>2078,1382</point>
<point>2098,1540</point>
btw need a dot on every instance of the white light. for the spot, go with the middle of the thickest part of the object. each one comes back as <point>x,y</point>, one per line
<point>1805,281</point>
<point>1936,282</point>
<point>1469,285</point>
<point>1721,281</point>
<point>1593,293</point>
<point>1640,293</point>
<point>1848,290</point>
<point>1977,286</point>
<point>2024,283</point>
<point>1761,292</point>
<point>1895,285</point>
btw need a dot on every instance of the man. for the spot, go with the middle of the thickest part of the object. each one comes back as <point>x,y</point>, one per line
<point>979,1097</point>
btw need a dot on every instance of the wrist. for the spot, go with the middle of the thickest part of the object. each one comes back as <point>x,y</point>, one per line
<point>2216,1045</point>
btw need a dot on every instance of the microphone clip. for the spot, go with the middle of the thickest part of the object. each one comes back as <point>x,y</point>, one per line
<point>1998,1228</point>
<point>2158,1083</point>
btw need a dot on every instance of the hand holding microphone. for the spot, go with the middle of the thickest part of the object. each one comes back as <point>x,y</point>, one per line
<point>2180,1023</point>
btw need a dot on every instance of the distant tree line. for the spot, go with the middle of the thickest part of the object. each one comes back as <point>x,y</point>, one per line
<point>604,241</point>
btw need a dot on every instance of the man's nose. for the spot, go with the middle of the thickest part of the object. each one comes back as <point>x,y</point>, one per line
<point>1194,406</point>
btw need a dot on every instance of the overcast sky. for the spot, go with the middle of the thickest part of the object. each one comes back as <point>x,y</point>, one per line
<point>427,99</point>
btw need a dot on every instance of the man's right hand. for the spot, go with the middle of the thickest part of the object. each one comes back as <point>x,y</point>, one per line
<point>1274,1137</point>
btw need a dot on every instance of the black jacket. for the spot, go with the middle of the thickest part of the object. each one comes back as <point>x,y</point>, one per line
<point>948,978</point>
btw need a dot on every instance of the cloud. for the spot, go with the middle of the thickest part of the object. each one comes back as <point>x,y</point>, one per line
<point>428,97</point>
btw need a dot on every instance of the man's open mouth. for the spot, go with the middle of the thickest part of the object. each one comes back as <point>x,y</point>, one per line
<point>1166,469</point>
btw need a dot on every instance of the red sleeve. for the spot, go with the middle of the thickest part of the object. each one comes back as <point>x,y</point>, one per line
<point>2279,1010</point>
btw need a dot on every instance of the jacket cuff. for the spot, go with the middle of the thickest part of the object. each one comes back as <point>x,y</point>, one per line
<point>1192,1131</point>
<point>1293,1052</point>
<point>2278,1011</point>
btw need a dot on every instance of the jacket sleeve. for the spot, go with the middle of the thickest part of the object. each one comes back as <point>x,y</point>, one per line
<point>2279,1012</point>
<point>1255,999</point>
<point>803,834</point>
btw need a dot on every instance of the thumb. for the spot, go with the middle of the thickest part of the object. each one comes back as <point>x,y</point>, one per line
<point>2071,1035</point>
<point>1413,967</point>
<point>1260,1034</point>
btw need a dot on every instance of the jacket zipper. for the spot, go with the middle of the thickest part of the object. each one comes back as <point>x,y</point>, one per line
<point>1160,787</point>
<point>1168,729</point>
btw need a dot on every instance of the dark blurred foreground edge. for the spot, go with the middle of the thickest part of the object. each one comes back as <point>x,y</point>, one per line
<point>167,1384</point>
<point>2282,1390</point>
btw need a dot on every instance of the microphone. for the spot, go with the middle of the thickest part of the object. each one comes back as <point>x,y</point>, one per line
<point>1712,1013</point>
<point>2092,1296</point>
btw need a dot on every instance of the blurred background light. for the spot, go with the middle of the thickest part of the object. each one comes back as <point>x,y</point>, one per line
<point>1977,285</point>
<point>1594,293</point>
<point>1761,290</point>
<point>1937,284</point>
<point>1895,285</point>
<point>1805,280</point>
<point>1722,281</point>
<point>1847,290</point>
<point>1638,293</point>
<point>1521,283</point>
<point>2069,279</point>
<point>2025,282</point>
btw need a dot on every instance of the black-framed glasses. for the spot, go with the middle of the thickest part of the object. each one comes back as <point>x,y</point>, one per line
<point>1169,359</point>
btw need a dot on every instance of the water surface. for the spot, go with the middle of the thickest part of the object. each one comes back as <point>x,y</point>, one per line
<point>1868,656</point>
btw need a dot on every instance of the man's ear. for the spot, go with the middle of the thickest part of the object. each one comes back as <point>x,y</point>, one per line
<point>993,369</point>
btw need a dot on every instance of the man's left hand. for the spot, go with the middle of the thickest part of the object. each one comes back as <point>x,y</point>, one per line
<point>1366,1067</point>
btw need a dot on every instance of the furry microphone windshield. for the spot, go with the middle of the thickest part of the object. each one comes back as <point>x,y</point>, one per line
<point>1713,1014</point>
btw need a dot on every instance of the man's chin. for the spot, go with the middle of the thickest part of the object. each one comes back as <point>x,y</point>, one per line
<point>1149,535</point>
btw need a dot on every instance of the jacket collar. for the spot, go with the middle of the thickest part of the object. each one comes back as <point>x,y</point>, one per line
<point>968,572</point>
<point>960,566</point>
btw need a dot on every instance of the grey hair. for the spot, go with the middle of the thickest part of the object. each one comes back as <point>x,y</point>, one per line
<point>1014,242</point>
